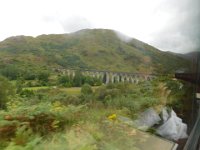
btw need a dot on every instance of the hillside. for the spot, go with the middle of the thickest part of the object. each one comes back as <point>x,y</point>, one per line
<point>43,109</point>
<point>90,48</point>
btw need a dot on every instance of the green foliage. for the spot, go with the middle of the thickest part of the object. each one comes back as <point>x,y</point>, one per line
<point>12,72</point>
<point>71,61</point>
<point>31,144</point>
<point>71,100</point>
<point>78,79</point>
<point>133,97</point>
<point>123,87</point>
<point>22,135</point>
<point>125,102</point>
<point>27,93</point>
<point>112,90</point>
<point>29,75</point>
<point>19,86</point>
<point>6,90</point>
<point>50,118</point>
<point>42,118</point>
<point>100,93</point>
<point>93,81</point>
<point>86,89</point>
<point>43,76</point>
<point>180,93</point>
<point>65,81</point>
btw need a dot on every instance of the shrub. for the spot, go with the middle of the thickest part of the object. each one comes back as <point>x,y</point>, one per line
<point>113,92</point>
<point>41,118</point>
<point>100,93</point>
<point>86,89</point>
<point>71,100</point>
<point>127,102</point>
<point>78,79</point>
<point>27,93</point>
<point>11,72</point>
<point>6,89</point>
<point>103,94</point>
<point>148,101</point>
<point>29,75</point>
<point>64,80</point>
<point>43,76</point>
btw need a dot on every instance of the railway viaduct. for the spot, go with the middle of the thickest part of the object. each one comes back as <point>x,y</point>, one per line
<point>109,76</point>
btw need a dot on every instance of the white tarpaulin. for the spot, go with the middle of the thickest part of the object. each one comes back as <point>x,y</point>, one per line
<point>147,119</point>
<point>173,128</point>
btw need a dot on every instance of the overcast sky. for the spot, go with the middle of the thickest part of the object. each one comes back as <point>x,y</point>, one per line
<point>170,25</point>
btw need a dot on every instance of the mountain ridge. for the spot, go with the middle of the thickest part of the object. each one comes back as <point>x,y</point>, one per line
<point>101,49</point>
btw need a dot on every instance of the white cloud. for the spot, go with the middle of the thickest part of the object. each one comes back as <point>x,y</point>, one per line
<point>142,19</point>
<point>75,23</point>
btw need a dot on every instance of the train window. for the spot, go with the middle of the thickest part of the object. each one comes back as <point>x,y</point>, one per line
<point>99,75</point>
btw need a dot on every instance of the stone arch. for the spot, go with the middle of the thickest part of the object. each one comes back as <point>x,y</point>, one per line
<point>116,78</point>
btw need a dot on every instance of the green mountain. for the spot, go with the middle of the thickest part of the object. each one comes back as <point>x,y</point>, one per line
<point>99,49</point>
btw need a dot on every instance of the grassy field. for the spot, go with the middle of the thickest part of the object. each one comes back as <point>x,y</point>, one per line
<point>37,88</point>
<point>69,90</point>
